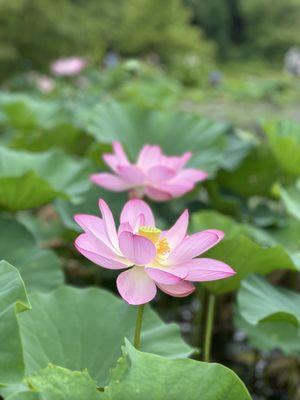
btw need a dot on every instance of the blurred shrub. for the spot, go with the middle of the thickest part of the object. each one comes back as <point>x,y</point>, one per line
<point>193,69</point>
<point>155,26</point>
<point>221,21</point>
<point>37,31</point>
<point>34,32</point>
<point>271,26</point>
<point>254,28</point>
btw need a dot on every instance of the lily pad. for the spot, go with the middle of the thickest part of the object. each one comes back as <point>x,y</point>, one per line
<point>259,301</point>
<point>140,375</point>
<point>208,219</point>
<point>287,236</point>
<point>246,257</point>
<point>85,328</point>
<point>291,199</point>
<point>57,383</point>
<point>13,300</point>
<point>211,143</point>
<point>240,251</point>
<point>39,268</point>
<point>30,180</point>
<point>254,176</point>
<point>38,124</point>
<point>284,142</point>
<point>271,335</point>
<point>89,205</point>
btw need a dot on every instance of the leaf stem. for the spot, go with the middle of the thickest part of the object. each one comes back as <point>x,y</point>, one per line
<point>138,326</point>
<point>209,326</point>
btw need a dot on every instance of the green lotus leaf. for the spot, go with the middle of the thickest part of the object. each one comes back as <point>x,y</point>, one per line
<point>246,257</point>
<point>38,124</point>
<point>89,205</point>
<point>259,301</point>
<point>271,335</point>
<point>286,235</point>
<point>284,141</point>
<point>239,251</point>
<point>57,383</point>
<point>208,219</point>
<point>40,268</point>
<point>13,300</point>
<point>291,199</point>
<point>141,375</point>
<point>254,176</point>
<point>213,144</point>
<point>85,328</point>
<point>30,180</point>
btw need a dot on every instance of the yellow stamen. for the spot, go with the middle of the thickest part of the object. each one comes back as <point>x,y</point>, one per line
<point>150,232</point>
<point>163,247</point>
<point>153,234</point>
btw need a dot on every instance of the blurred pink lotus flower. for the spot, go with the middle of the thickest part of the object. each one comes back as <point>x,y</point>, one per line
<point>44,83</point>
<point>155,175</point>
<point>68,66</point>
<point>152,258</point>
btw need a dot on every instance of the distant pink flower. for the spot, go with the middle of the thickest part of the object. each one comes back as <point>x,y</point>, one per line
<point>68,66</point>
<point>44,83</point>
<point>155,175</point>
<point>153,258</point>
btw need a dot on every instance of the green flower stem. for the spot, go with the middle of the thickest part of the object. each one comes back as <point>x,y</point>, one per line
<point>209,326</point>
<point>138,326</point>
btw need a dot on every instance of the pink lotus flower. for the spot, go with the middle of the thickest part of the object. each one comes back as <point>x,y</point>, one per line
<point>152,258</point>
<point>155,175</point>
<point>68,66</point>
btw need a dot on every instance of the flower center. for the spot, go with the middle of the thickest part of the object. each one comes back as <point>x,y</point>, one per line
<point>163,247</point>
<point>150,232</point>
<point>153,234</point>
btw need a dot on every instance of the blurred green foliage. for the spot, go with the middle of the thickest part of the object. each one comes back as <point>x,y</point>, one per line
<point>221,21</point>
<point>47,30</point>
<point>271,27</point>
<point>252,28</point>
<point>170,33</point>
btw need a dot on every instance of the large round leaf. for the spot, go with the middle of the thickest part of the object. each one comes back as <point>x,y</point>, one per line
<point>291,199</point>
<point>240,252</point>
<point>259,301</point>
<point>284,141</point>
<point>272,335</point>
<point>13,299</point>
<point>174,132</point>
<point>40,268</point>
<point>208,219</point>
<point>285,235</point>
<point>85,328</point>
<point>147,376</point>
<point>246,257</point>
<point>30,180</point>
<point>26,112</point>
<point>254,176</point>
<point>288,237</point>
<point>56,383</point>
<point>89,205</point>
<point>36,123</point>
